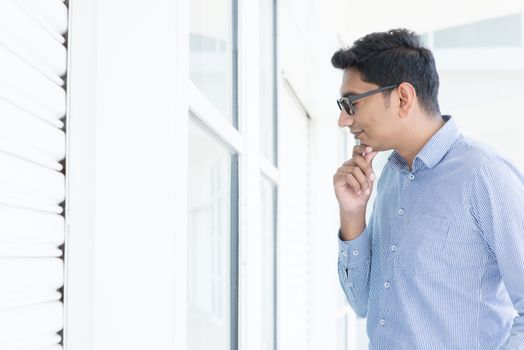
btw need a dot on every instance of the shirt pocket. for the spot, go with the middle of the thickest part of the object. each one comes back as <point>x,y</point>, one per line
<point>424,243</point>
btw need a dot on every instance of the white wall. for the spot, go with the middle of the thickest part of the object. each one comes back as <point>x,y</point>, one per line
<point>488,105</point>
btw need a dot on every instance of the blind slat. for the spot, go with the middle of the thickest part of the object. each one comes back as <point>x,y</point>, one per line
<point>25,86</point>
<point>23,201</point>
<point>32,132</point>
<point>48,342</point>
<point>25,299</point>
<point>25,276</point>
<point>19,176</point>
<point>28,38</point>
<point>16,148</point>
<point>54,347</point>
<point>29,252</point>
<point>38,18</point>
<point>53,12</point>
<point>30,227</point>
<point>30,322</point>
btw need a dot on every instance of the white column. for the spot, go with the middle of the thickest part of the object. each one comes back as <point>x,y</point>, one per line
<point>136,175</point>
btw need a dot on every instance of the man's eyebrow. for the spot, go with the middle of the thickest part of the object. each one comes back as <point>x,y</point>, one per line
<point>349,93</point>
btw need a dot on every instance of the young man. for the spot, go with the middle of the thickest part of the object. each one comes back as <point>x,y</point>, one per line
<point>440,264</point>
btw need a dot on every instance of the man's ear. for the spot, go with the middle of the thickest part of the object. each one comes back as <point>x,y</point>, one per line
<point>407,97</point>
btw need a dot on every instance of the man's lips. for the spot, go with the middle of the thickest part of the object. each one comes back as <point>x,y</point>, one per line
<point>356,132</point>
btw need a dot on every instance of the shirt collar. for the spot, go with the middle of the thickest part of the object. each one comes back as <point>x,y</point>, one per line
<point>434,150</point>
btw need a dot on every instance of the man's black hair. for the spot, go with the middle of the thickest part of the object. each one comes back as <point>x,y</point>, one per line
<point>394,57</point>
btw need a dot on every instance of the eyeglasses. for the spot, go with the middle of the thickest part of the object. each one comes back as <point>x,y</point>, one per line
<point>347,102</point>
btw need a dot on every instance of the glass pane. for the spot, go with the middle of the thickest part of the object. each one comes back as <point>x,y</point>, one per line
<point>501,31</point>
<point>267,80</point>
<point>209,242</point>
<point>211,52</point>
<point>268,230</point>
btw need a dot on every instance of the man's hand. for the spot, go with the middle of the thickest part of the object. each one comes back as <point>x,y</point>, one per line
<point>353,181</point>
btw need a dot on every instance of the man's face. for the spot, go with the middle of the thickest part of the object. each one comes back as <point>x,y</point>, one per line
<point>373,122</point>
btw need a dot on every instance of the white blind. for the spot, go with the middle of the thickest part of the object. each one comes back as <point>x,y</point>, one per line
<point>33,59</point>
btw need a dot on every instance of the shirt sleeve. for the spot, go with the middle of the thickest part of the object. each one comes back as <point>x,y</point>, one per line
<point>354,262</point>
<point>497,199</point>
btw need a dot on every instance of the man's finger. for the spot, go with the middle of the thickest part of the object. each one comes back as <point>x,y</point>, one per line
<point>365,166</point>
<point>369,156</point>
<point>359,150</point>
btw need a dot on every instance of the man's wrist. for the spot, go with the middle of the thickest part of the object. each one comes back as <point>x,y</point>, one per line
<point>352,224</point>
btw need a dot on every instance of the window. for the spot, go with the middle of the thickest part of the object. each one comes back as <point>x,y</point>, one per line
<point>268,232</point>
<point>212,180</point>
<point>212,63</point>
<point>213,204</point>
<point>220,155</point>
<point>268,187</point>
<point>267,80</point>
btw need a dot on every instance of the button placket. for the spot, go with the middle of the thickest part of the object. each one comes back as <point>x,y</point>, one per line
<point>392,245</point>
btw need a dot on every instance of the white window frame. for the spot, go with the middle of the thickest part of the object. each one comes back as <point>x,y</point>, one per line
<point>252,164</point>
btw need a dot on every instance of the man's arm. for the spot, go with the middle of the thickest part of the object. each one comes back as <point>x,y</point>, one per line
<point>353,183</point>
<point>354,264</point>
<point>497,199</point>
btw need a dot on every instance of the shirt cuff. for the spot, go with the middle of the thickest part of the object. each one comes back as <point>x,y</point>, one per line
<point>355,252</point>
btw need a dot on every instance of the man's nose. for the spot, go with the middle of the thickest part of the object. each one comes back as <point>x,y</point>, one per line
<point>344,119</point>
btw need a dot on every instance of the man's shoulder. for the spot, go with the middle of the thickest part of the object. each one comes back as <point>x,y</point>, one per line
<point>475,153</point>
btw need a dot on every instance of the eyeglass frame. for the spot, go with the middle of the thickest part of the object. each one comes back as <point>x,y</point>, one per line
<point>352,98</point>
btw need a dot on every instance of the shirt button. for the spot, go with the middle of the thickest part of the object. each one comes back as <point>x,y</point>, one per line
<point>344,253</point>
<point>386,284</point>
<point>401,211</point>
<point>350,284</point>
<point>355,252</point>
<point>411,176</point>
<point>393,247</point>
<point>382,321</point>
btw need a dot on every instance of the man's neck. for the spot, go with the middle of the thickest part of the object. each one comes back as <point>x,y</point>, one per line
<point>418,136</point>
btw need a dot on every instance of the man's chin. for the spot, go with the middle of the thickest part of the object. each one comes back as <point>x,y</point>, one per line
<point>377,148</point>
<point>383,149</point>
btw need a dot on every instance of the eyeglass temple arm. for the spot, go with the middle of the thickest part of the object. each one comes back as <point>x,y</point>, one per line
<point>366,94</point>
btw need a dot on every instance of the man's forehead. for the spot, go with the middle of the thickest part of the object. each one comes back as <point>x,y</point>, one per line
<point>352,83</point>
<point>351,73</point>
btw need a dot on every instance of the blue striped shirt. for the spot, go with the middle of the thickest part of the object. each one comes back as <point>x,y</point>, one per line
<point>440,264</point>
